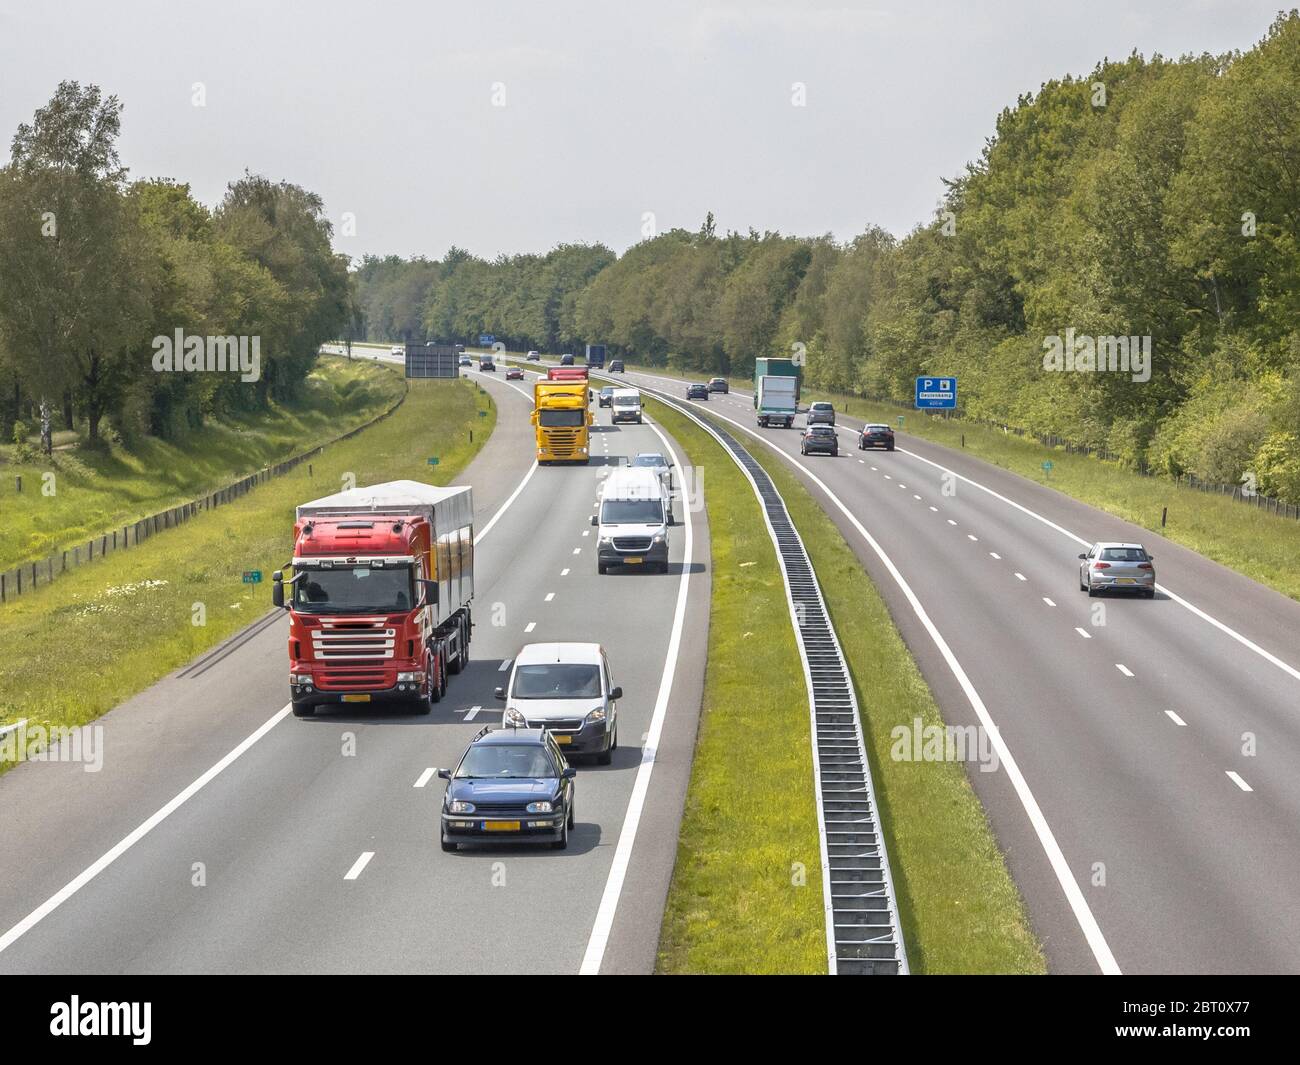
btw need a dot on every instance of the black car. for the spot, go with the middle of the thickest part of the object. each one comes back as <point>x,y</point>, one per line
<point>697,391</point>
<point>606,397</point>
<point>876,436</point>
<point>511,784</point>
<point>566,360</point>
<point>616,366</point>
<point>718,384</point>
<point>819,439</point>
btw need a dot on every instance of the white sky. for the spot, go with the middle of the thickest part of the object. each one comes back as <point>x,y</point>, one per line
<point>612,108</point>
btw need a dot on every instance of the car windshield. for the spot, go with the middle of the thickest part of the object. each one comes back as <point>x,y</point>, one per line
<point>606,391</point>
<point>557,680</point>
<point>821,430</point>
<point>652,462</point>
<point>565,418</point>
<point>510,761</point>
<point>632,512</point>
<point>1123,554</point>
<point>627,401</point>
<point>353,589</point>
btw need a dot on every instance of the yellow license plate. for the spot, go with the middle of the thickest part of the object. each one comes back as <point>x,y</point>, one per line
<point>1123,580</point>
<point>500,826</point>
<point>356,698</point>
<point>563,739</point>
<point>634,561</point>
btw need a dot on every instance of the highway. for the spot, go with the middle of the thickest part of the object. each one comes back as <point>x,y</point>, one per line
<point>1143,834</point>
<point>313,847</point>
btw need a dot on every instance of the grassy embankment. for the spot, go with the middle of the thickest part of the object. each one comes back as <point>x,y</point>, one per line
<point>130,618</point>
<point>96,491</point>
<point>749,814</point>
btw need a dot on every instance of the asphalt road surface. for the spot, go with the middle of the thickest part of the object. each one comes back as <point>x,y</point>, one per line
<point>1150,814</point>
<point>314,848</point>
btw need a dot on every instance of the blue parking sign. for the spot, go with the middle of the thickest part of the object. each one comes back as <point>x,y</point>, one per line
<point>936,393</point>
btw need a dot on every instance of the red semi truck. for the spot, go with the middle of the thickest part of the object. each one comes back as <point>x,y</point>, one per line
<point>379,600</point>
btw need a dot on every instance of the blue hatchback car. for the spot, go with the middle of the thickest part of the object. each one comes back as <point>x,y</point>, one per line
<point>511,784</point>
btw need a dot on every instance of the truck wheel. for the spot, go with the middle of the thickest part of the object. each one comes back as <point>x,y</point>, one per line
<point>462,655</point>
<point>304,710</point>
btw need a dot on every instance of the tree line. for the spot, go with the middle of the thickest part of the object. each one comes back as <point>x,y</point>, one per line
<point>1153,198</point>
<point>94,267</point>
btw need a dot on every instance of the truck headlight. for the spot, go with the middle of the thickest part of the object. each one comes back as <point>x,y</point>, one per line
<point>596,715</point>
<point>583,450</point>
<point>514,717</point>
<point>300,678</point>
<point>538,807</point>
<point>460,806</point>
<point>408,678</point>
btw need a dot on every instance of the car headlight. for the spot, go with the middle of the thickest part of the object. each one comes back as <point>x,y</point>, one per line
<point>514,717</point>
<point>596,715</point>
<point>460,806</point>
<point>658,538</point>
<point>543,807</point>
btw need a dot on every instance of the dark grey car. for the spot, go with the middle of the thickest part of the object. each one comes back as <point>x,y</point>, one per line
<point>1117,567</point>
<point>819,440</point>
<point>821,414</point>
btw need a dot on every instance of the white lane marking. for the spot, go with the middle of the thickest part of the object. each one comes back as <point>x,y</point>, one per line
<point>504,506</point>
<point>935,509</point>
<point>358,865</point>
<point>5,730</point>
<point>874,469</point>
<point>862,462</point>
<point>530,626</point>
<point>1048,601</point>
<point>423,778</point>
<point>888,478</point>
<point>577,550</point>
<point>1021,577</point>
<point>994,554</point>
<point>1175,719</point>
<point>951,522</point>
<point>1238,781</point>
<point>564,572</point>
<point>917,498</point>
<point>1227,630</point>
<point>110,856</point>
<point>586,532</point>
<point>604,923</point>
<point>973,537</point>
<point>1083,914</point>
<point>504,665</point>
<point>1124,669</point>
<point>549,597</point>
<point>1083,632</point>
<point>472,712</point>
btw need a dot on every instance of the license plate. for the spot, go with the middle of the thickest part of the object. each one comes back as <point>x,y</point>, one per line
<point>500,826</point>
<point>1124,580</point>
<point>562,740</point>
<point>356,698</point>
<point>634,561</point>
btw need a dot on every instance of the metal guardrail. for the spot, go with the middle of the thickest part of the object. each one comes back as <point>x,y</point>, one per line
<point>863,934</point>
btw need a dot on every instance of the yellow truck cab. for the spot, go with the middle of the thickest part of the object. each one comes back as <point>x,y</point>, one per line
<point>561,420</point>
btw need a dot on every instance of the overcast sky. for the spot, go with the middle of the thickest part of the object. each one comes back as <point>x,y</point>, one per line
<point>611,109</point>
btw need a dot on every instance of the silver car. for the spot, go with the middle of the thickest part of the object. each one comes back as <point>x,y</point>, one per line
<point>1117,567</point>
<point>820,414</point>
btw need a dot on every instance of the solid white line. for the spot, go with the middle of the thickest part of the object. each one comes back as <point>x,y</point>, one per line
<point>530,626</point>
<point>504,506</point>
<point>358,865</point>
<point>504,665</point>
<point>1124,669</point>
<point>604,923</point>
<point>109,857</point>
<point>1048,601</point>
<point>6,729</point>
<point>549,597</point>
<point>472,712</point>
<point>1227,630</point>
<point>1175,718</point>
<point>1083,914</point>
<point>423,778</point>
<point>1238,781</point>
<point>1083,632</point>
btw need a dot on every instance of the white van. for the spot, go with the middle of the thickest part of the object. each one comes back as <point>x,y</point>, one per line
<point>633,521</point>
<point>625,405</point>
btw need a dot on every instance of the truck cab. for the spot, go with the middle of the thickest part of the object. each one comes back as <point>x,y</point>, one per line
<point>562,420</point>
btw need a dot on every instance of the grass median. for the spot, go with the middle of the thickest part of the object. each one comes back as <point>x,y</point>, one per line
<point>78,647</point>
<point>96,491</point>
<point>746,893</point>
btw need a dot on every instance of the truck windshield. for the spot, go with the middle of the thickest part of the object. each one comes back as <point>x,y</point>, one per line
<point>354,590</point>
<point>566,418</point>
<point>511,761</point>
<point>557,680</point>
<point>632,512</point>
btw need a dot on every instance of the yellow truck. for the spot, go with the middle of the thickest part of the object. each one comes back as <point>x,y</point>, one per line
<point>561,419</point>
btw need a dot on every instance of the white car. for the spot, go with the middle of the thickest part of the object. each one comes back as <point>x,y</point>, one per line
<point>566,689</point>
<point>397,349</point>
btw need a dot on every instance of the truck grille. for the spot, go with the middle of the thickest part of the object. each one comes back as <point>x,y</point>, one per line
<point>564,442</point>
<point>352,640</point>
<point>353,679</point>
<point>631,543</point>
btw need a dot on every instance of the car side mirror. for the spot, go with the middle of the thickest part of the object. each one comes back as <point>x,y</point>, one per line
<point>1151,558</point>
<point>1083,556</point>
<point>499,693</point>
<point>616,693</point>
<point>595,520</point>
<point>568,773</point>
<point>445,774</point>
